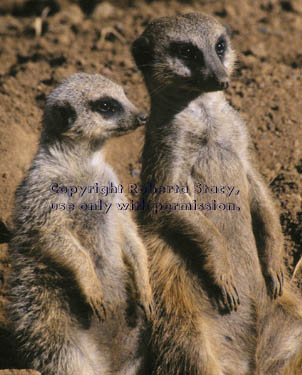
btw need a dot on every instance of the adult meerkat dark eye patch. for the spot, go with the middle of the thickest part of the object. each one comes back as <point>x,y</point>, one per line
<point>107,107</point>
<point>186,51</point>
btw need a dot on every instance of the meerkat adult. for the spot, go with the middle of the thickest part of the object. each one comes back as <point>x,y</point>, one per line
<point>206,262</point>
<point>79,275</point>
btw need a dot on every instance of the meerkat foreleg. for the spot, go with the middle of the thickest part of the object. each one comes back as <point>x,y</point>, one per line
<point>268,234</point>
<point>136,257</point>
<point>209,248</point>
<point>69,253</point>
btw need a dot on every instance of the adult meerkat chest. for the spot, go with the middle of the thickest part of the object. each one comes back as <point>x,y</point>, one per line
<point>214,148</point>
<point>218,172</point>
<point>208,125</point>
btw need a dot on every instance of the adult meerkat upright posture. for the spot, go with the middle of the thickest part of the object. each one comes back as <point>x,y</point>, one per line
<point>197,145</point>
<point>79,268</point>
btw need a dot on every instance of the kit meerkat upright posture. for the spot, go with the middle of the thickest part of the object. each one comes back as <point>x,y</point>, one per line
<point>78,274</point>
<point>222,306</point>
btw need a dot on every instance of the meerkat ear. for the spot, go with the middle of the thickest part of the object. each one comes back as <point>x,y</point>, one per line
<point>58,118</point>
<point>5,233</point>
<point>142,52</point>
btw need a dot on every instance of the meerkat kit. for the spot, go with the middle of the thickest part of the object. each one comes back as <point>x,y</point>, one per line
<point>79,283</point>
<point>222,303</point>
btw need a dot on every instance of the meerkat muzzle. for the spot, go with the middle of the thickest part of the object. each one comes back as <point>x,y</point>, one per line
<point>141,119</point>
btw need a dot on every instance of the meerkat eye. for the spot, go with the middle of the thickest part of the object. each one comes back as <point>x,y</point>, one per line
<point>107,106</point>
<point>185,51</point>
<point>220,46</point>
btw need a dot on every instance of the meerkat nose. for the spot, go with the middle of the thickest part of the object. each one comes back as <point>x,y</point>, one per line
<point>142,118</point>
<point>225,84</point>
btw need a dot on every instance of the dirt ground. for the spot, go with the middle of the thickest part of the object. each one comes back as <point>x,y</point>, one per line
<point>44,41</point>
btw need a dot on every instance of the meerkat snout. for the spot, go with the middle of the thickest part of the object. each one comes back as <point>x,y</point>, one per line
<point>142,118</point>
<point>194,53</point>
<point>95,101</point>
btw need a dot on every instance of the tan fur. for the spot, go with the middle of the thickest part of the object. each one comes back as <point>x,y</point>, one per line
<point>79,283</point>
<point>217,276</point>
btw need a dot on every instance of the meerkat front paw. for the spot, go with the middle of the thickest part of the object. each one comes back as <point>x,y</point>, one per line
<point>145,301</point>
<point>228,293</point>
<point>274,281</point>
<point>97,307</point>
<point>92,290</point>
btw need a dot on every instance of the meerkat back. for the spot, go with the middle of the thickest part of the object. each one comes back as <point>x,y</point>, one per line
<point>80,293</point>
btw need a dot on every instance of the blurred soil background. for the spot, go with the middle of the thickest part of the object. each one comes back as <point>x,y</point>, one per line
<point>44,41</point>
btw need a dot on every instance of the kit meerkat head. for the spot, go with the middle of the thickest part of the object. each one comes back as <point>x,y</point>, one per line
<point>88,107</point>
<point>189,52</point>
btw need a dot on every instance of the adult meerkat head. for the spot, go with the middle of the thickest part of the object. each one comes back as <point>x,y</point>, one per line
<point>88,107</point>
<point>191,51</point>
